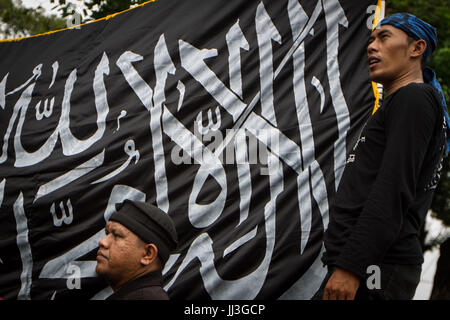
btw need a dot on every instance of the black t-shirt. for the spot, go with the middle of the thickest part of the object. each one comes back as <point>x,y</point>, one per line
<point>388,183</point>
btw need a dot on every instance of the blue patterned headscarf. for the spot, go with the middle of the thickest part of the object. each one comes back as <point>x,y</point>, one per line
<point>418,29</point>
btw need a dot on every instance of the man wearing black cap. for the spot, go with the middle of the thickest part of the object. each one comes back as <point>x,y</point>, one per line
<point>391,174</point>
<point>139,239</point>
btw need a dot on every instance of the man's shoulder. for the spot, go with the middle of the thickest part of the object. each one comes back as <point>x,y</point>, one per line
<point>418,92</point>
<point>145,287</point>
<point>420,97</point>
<point>147,293</point>
<point>150,292</point>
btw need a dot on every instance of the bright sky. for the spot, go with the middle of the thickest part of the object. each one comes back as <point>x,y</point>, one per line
<point>35,3</point>
<point>47,6</point>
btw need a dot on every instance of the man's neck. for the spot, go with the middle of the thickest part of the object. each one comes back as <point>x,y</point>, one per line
<point>401,81</point>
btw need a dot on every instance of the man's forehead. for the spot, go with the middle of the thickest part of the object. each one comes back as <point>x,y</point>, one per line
<point>384,28</point>
<point>388,29</point>
<point>115,225</point>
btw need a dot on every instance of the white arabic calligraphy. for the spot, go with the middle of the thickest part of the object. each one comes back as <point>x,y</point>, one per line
<point>164,123</point>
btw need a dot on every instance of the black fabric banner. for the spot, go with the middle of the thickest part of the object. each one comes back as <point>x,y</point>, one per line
<point>234,117</point>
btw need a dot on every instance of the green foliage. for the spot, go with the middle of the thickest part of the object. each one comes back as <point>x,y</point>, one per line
<point>96,9</point>
<point>107,7</point>
<point>435,12</point>
<point>27,21</point>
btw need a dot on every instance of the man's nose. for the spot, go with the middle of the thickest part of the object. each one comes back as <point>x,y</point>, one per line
<point>103,243</point>
<point>372,47</point>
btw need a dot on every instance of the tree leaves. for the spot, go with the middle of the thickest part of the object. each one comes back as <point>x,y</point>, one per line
<point>24,21</point>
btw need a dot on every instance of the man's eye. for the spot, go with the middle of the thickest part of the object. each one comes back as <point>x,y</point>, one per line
<point>117,235</point>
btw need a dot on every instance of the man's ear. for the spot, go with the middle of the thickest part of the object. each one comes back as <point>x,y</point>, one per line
<point>417,48</point>
<point>150,254</point>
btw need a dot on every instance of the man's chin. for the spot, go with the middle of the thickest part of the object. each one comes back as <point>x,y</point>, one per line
<point>100,270</point>
<point>376,79</point>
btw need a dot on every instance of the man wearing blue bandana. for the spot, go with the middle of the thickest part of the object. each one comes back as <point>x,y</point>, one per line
<point>372,242</point>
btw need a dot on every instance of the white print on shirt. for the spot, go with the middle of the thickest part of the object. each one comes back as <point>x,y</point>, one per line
<point>437,171</point>
<point>352,156</point>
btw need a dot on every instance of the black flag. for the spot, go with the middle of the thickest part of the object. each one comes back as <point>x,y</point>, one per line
<point>234,117</point>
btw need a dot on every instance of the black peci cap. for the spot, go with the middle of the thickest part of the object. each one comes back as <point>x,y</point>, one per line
<point>149,223</point>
